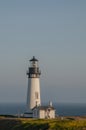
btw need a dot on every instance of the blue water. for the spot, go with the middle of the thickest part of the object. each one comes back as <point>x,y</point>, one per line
<point>62,109</point>
<point>70,109</point>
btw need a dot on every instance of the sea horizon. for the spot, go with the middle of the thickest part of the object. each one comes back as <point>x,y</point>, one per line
<point>62,109</point>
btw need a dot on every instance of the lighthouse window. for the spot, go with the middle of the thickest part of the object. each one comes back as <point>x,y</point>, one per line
<point>36,95</point>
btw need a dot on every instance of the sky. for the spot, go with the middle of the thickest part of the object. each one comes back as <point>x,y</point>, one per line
<point>54,31</point>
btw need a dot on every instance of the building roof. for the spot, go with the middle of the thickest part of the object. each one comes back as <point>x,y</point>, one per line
<point>33,59</point>
<point>44,107</point>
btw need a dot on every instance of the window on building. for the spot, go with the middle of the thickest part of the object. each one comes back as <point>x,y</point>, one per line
<point>36,95</point>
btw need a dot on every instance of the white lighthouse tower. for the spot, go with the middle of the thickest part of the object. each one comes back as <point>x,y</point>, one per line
<point>33,92</point>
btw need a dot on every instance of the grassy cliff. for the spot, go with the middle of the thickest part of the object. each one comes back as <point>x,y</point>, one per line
<point>66,123</point>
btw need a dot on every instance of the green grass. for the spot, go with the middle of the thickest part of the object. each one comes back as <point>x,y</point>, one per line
<point>68,123</point>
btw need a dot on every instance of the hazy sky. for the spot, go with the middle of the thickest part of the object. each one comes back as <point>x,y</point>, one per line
<point>55,32</point>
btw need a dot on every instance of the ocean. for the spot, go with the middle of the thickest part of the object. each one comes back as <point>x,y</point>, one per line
<point>62,109</point>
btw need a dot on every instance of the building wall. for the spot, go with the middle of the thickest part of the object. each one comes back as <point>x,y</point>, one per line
<point>52,114</point>
<point>44,114</point>
<point>35,113</point>
<point>33,95</point>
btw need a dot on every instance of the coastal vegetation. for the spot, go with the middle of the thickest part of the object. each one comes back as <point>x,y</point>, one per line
<point>60,123</point>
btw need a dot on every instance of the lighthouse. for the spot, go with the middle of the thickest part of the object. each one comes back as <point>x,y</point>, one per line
<point>34,107</point>
<point>33,91</point>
